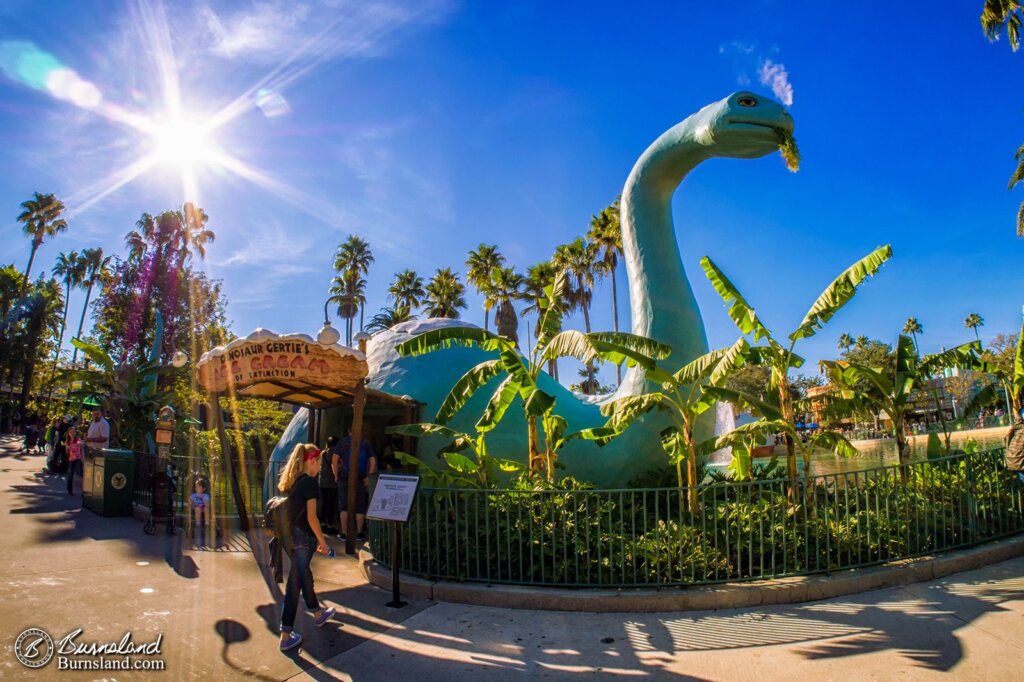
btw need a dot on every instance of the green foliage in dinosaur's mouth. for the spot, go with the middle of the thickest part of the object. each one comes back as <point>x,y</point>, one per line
<point>787,147</point>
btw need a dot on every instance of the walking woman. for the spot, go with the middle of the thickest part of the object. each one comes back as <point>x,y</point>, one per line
<point>74,447</point>
<point>298,481</point>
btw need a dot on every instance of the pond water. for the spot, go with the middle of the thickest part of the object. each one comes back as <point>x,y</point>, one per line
<point>876,453</point>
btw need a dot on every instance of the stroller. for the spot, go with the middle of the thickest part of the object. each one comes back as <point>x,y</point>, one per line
<point>161,507</point>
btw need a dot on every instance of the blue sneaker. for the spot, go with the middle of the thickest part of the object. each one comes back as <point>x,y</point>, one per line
<point>324,616</point>
<point>293,640</point>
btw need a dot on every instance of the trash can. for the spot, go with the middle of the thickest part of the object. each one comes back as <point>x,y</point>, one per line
<point>107,482</point>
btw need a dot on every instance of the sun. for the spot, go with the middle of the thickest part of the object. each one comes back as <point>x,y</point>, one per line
<point>182,143</point>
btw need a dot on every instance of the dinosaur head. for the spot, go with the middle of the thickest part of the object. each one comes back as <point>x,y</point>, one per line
<point>742,126</point>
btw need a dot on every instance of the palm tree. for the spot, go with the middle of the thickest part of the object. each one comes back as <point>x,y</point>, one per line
<point>69,269</point>
<point>913,327</point>
<point>40,218</point>
<point>862,341</point>
<point>350,295</point>
<point>606,233</point>
<point>445,295</point>
<point>351,262</point>
<point>506,285</point>
<point>481,264</point>
<point>407,289</point>
<point>578,260</point>
<point>845,342</point>
<point>195,236</point>
<point>94,269</point>
<point>389,317</point>
<point>973,321</point>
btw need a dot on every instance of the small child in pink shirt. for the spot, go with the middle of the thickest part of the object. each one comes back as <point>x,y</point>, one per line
<point>74,447</point>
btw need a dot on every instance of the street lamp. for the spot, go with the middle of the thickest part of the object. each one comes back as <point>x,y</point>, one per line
<point>328,335</point>
<point>179,359</point>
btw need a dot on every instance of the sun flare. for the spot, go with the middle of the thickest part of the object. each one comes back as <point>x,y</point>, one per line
<point>182,143</point>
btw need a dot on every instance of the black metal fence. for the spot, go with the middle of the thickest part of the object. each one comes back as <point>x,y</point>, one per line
<point>741,531</point>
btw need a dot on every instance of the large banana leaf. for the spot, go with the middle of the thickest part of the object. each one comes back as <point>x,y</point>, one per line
<point>95,354</point>
<point>846,375</point>
<point>614,347</point>
<point>754,432</point>
<point>907,369</point>
<point>963,356</point>
<point>466,387</point>
<point>418,430</point>
<point>451,337</point>
<point>740,311</point>
<point>732,359</point>
<point>772,355</point>
<point>832,441</point>
<point>498,405</point>
<point>840,292</point>
<point>551,317</point>
<point>768,410</point>
<point>988,395</point>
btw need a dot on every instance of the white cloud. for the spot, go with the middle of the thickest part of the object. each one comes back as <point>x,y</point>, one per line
<point>775,76</point>
<point>272,31</point>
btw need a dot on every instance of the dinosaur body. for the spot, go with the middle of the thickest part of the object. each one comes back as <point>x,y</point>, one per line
<point>662,304</point>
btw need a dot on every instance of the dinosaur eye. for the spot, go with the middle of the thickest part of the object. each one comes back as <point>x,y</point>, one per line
<point>747,101</point>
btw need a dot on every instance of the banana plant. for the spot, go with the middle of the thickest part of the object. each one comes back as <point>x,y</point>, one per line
<point>684,396</point>
<point>521,373</point>
<point>859,385</point>
<point>778,355</point>
<point>127,392</point>
<point>464,472</point>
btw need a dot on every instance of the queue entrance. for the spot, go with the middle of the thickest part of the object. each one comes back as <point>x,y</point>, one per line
<point>327,379</point>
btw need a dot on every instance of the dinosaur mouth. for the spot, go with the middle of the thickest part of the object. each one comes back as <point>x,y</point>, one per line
<point>744,124</point>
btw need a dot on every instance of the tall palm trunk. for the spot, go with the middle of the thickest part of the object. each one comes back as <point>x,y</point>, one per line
<point>81,320</point>
<point>362,310</point>
<point>487,318</point>
<point>28,268</point>
<point>590,365</point>
<point>60,342</point>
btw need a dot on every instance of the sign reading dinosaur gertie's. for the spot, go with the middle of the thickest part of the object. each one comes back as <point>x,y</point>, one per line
<point>250,361</point>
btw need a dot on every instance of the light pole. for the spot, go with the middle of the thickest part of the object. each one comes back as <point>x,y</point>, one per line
<point>328,335</point>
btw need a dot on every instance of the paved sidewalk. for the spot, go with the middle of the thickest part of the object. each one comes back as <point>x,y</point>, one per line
<point>63,568</point>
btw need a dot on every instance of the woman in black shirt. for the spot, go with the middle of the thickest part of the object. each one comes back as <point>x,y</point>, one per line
<point>298,482</point>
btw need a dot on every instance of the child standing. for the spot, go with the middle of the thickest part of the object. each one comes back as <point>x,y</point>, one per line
<point>73,444</point>
<point>200,502</point>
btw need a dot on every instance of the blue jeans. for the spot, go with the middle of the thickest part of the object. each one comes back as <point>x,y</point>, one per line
<point>300,579</point>
<point>74,467</point>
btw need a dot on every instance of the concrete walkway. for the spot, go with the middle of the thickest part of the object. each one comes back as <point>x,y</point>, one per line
<point>63,567</point>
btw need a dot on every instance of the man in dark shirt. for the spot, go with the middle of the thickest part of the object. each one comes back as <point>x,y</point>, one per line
<point>367,468</point>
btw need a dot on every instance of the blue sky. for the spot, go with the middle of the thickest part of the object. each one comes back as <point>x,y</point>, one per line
<point>429,127</point>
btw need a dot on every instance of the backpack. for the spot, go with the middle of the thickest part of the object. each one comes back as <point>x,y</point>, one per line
<point>275,516</point>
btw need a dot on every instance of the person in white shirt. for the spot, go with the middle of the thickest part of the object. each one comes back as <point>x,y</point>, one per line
<point>98,436</point>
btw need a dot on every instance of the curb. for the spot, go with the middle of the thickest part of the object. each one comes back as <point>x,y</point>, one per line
<point>704,598</point>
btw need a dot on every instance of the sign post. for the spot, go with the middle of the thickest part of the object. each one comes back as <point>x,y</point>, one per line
<point>392,502</point>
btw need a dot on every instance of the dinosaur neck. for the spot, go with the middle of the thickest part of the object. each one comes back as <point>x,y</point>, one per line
<point>662,303</point>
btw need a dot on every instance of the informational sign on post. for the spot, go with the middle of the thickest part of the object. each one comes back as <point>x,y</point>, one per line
<point>392,498</point>
<point>392,502</point>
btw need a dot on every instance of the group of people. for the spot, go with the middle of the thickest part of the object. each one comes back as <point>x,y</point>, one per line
<point>316,483</point>
<point>65,440</point>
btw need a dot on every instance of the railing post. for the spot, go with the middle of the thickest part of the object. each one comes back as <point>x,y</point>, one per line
<point>972,504</point>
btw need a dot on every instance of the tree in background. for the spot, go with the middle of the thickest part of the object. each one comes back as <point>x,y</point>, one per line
<point>1002,376</point>
<point>94,270</point>
<point>389,317</point>
<point>845,341</point>
<point>40,218</point>
<point>506,286</point>
<point>913,327</point>
<point>445,296</point>
<point>407,290</point>
<point>578,261</point>
<point>351,264</point>
<point>973,321</point>
<point>482,263</point>
<point>349,292</point>
<point>606,234</point>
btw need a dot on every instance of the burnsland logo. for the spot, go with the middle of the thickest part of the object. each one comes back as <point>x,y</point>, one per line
<point>35,647</point>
